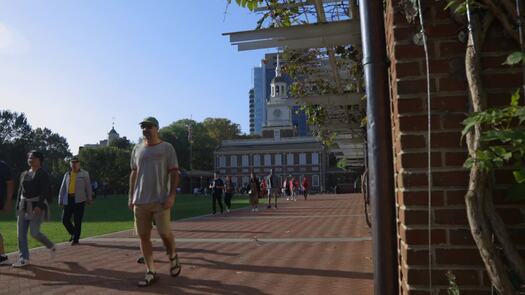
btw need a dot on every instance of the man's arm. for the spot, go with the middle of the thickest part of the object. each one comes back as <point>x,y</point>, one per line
<point>132,181</point>
<point>174,183</point>
<point>9,197</point>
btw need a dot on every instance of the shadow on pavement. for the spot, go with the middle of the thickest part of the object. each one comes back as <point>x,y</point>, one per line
<point>280,270</point>
<point>76,276</point>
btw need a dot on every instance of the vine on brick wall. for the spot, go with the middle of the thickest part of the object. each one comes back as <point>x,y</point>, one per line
<point>495,137</point>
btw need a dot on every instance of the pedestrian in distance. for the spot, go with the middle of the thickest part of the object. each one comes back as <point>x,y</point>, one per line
<point>7,188</point>
<point>229,188</point>
<point>74,193</point>
<point>272,185</point>
<point>294,187</point>
<point>152,191</point>
<point>217,187</point>
<point>32,206</point>
<point>305,186</point>
<point>254,190</point>
<point>264,189</point>
<point>286,187</point>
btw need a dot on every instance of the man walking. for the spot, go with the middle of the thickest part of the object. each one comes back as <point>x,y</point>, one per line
<point>272,184</point>
<point>152,191</point>
<point>75,191</point>
<point>217,186</point>
<point>6,197</point>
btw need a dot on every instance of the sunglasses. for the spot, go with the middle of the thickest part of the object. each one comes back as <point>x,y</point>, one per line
<point>146,126</point>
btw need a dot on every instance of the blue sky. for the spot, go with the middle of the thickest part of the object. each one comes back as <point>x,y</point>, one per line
<point>73,65</point>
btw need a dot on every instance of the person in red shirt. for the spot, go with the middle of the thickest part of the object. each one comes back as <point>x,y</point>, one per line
<point>264,189</point>
<point>305,187</point>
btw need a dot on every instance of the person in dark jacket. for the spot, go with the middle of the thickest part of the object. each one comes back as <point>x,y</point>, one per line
<point>32,206</point>
<point>217,187</point>
<point>254,189</point>
<point>229,188</point>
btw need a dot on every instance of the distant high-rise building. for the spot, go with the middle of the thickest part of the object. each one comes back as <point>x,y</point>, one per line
<point>262,78</point>
<point>259,101</point>
<point>252,111</point>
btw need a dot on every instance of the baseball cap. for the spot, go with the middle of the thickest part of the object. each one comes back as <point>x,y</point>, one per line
<point>150,120</point>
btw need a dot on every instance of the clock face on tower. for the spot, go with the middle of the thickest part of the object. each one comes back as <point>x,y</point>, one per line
<point>277,113</point>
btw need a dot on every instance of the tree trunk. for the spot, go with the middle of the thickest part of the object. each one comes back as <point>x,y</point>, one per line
<point>478,195</point>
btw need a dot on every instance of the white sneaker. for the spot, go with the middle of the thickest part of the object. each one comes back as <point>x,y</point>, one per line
<point>257,209</point>
<point>21,263</point>
<point>253,209</point>
<point>227,210</point>
<point>287,199</point>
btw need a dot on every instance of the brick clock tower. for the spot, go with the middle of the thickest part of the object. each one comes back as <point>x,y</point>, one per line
<point>279,108</point>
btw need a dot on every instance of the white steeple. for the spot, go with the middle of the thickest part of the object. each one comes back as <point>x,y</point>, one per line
<point>278,86</point>
<point>278,67</point>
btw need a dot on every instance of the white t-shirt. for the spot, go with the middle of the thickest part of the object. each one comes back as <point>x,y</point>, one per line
<point>153,165</point>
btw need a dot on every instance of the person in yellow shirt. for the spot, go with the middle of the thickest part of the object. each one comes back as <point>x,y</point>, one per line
<point>75,191</point>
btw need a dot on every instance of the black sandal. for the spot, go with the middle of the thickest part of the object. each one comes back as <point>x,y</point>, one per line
<point>175,266</point>
<point>150,278</point>
<point>140,260</point>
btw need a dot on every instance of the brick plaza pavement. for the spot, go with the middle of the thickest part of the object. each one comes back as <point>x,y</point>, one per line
<point>318,246</point>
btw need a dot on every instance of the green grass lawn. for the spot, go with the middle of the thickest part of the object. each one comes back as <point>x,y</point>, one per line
<point>106,215</point>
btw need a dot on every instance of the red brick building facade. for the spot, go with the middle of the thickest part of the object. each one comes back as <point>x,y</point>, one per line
<point>452,246</point>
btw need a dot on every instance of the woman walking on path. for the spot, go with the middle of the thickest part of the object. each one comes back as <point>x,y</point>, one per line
<point>228,193</point>
<point>254,191</point>
<point>305,187</point>
<point>32,206</point>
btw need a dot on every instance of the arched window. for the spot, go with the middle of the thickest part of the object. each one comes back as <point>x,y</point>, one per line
<point>273,90</point>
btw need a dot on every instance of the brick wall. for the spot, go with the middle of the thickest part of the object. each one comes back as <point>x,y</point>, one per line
<point>452,245</point>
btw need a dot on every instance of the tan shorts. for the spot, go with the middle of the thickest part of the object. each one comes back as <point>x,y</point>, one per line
<point>146,213</point>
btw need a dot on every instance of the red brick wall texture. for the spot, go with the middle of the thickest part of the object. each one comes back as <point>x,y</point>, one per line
<point>452,245</point>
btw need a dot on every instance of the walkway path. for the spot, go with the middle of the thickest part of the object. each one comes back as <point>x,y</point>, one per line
<point>318,246</point>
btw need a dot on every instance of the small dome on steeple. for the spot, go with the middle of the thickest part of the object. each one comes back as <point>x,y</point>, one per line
<point>113,131</point>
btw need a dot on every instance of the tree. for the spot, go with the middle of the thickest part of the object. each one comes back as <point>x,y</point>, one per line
<point>17,138</point>
<point>121,143</point>
<point>109,166</point>
<point>56,151</point>
<point>205,137</point>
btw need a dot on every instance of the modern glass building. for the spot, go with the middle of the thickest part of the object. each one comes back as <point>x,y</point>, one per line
<point>259,101</point>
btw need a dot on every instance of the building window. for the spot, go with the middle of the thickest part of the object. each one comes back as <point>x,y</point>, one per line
<point>245,180</point>
<point>289,159</point>
<point>315,180</point>
<point>302,159</point>
<point>233,161</point>
<point>256,160</point>
<point>315,158</point>
<point>245,160</point>
<point>278,159</point>
<point>267,160</point>
<point>222,161</point>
